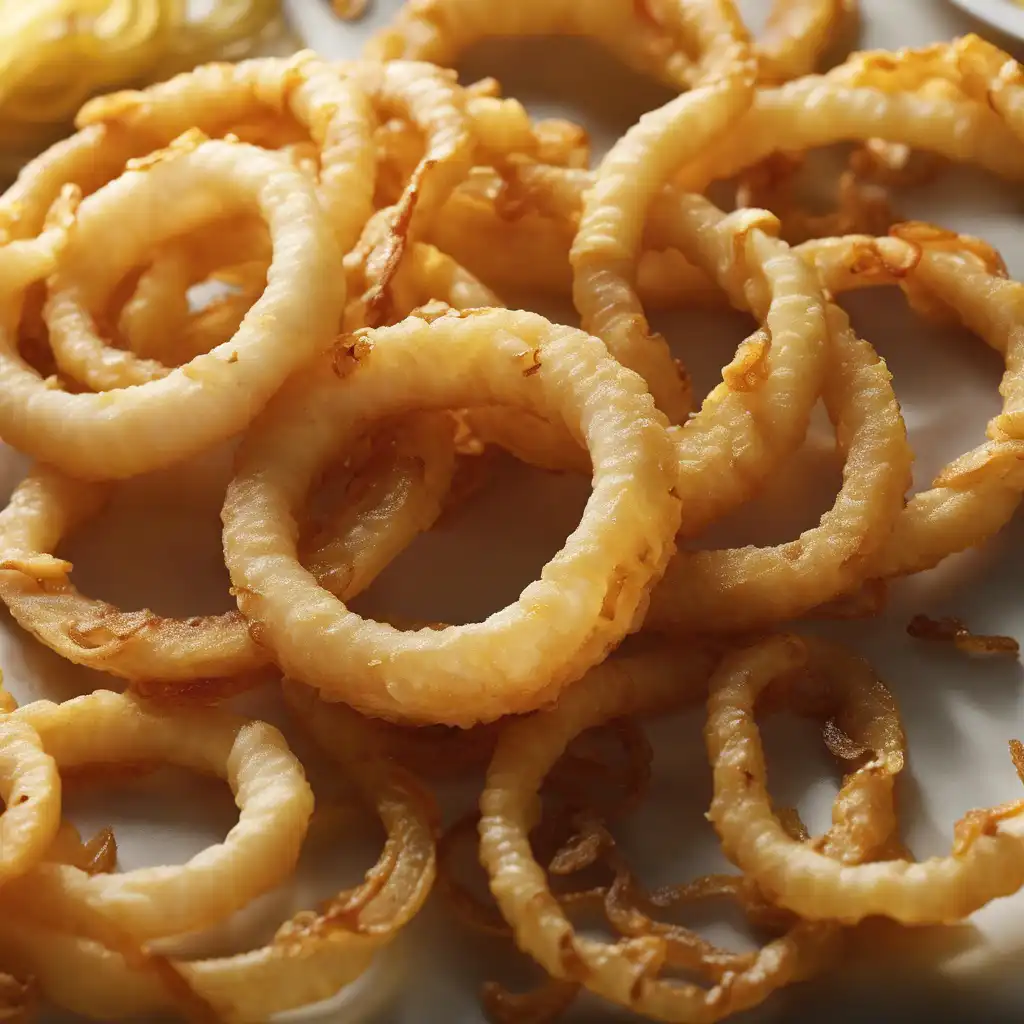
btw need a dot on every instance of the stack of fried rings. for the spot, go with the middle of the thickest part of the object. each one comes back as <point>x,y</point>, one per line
<point>360,348</point>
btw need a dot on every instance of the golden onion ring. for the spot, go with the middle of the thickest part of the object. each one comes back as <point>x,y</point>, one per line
<point>589,595</point>
<point>987,859</point>
<point>133,430</point>
<point>274,800</point>
<point>312,956</point>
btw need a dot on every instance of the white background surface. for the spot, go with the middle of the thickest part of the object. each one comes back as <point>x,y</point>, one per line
<point>159,545</point>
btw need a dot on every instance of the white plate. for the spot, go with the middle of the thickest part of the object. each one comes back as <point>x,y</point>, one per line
<point>1004,15</point>
<point>959,713</point>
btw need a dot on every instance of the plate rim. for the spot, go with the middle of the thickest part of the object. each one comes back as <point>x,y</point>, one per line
<point>1000,14</point>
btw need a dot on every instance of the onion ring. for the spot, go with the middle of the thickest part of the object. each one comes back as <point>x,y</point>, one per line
<point>822,110</point>
<point>992,77</point>
<point>311,958</point>
<point>158,310</point>
<point>988,855</point>
<point>138,645</point>
<point>134,430</point>
<point>782,365</point>
<point>970,500</point>
<point>623,973</point>
<point>843,105</point>
<point>213,97</point>
<point>275,804</point>
<point>615,554</point>
<point>725,441</point>
<point>77,292</point>
<point>503,134</point>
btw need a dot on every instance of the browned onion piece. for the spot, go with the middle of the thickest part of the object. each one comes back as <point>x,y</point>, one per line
<point>953,631</point>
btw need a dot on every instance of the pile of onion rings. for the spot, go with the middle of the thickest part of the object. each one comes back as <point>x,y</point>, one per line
<point>369,229</point>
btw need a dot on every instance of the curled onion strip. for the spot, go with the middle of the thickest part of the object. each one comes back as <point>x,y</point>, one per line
<point>208,658</point>
<point>142,645</point>
<point>987,859</point>
<point>401,494</point>
<point>589,595</point>
<point>408,813</point>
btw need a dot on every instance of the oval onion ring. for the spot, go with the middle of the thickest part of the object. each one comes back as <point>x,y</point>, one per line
<point>987,859</point>
<point>624,972</point>
<point>30,790</point>
<point>589,595</point>
<point>133,430</point>
<point>274,801</point>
